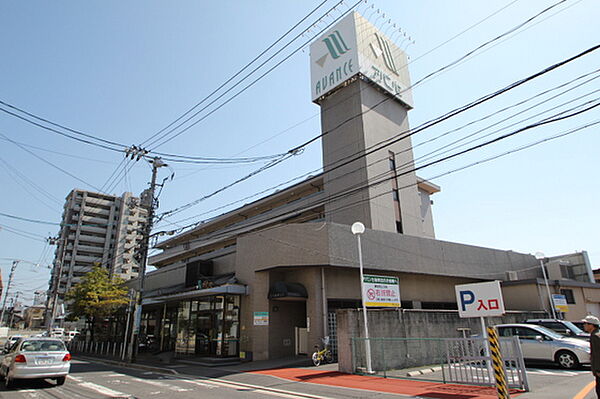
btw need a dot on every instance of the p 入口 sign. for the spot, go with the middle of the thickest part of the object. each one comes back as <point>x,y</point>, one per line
<point>479,299</point>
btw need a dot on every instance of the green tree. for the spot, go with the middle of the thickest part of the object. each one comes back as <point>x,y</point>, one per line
<point>97,297</point>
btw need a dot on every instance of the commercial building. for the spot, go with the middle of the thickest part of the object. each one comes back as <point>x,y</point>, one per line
<point>264,281</point>
<point>96,230</point>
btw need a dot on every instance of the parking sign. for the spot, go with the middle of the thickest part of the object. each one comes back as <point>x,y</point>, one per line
<point>479,299</point>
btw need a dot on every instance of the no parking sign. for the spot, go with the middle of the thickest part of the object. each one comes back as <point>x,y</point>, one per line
<point>381,291</point>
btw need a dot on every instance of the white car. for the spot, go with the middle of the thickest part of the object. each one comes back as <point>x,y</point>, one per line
<point>33,358</point>
<point>540,344</point>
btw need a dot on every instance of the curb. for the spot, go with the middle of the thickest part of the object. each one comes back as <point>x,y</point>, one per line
<point>130,365</point>
<point>423,371</point>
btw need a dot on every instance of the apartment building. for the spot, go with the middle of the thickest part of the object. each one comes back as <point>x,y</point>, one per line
<point>97,229</point>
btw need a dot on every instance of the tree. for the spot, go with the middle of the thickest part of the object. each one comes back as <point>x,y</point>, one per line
<point>97,297</point>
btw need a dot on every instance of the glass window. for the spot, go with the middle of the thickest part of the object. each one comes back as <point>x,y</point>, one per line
<point>569,296</point>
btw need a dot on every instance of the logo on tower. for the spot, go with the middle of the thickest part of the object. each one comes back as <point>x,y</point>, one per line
<point>382,48</point>
<point>336,45</point>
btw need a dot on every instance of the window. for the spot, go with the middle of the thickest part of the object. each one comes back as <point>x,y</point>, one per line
<point>392,163</point>
<point>399,228</point>
<point>395,195</point>
<point>569,296</point>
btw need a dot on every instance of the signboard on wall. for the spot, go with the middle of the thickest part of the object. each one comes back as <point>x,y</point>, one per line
<point>560,302</point>
<point>479,299</point>
<point>261,318</point>
<point>354,46</point>
<point>381,291</point>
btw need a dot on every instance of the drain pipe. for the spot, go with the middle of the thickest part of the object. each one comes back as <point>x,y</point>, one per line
<point>324,303</point>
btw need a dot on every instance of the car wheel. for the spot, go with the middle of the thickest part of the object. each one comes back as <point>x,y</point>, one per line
<point>567,360</point>
<point>60,380</point>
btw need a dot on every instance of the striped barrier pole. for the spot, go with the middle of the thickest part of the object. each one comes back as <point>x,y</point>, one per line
<point>498,364</point>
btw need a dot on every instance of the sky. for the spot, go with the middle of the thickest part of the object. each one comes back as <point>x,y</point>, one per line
<point>123,71</point>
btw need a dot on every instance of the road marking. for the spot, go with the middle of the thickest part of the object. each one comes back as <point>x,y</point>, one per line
<point>583,393</point>
<point>556,373</point>
<point>269,391</point>
<point>103,390</point>
<point>161,384</point>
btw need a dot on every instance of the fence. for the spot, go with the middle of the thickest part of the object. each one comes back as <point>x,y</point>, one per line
<point>446,360</point>
<point>111,350</point>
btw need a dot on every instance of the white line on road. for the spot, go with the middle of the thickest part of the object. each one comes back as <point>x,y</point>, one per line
<point>103,390</point>
<point>269,391</point>
<point>161,384</point>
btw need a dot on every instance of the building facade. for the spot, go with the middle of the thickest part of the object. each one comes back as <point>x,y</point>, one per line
<point>96,230</point>
<point>265,280</point>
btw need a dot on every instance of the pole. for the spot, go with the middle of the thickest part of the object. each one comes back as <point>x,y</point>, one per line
<point>156,163</point>
<point>367,340</point>
<point>12,314</point>
<point>127,324</point>
<point>550,303</point>
<point>10,278</point>
<point>50,320</point>
<point>486,347</point>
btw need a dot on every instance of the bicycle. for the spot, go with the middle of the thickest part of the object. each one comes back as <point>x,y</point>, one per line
<point>322,355</point>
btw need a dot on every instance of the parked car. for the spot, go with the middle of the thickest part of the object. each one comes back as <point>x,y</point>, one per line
<point>10,341</point>
<point>70,335</point>
<point>563,327</point>
<point>32,358</point>
<point>578,324</point>
<point>540,344</point>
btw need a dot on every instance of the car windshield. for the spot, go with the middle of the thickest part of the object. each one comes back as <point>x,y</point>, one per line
<point>42,345</point>
<point>550,333</point>
<point>573,327</point>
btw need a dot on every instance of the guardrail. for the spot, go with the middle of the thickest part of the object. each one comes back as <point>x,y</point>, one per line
<point>445,360</point>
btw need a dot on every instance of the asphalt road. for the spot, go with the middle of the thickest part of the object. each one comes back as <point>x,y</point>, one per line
<point>95,380</point>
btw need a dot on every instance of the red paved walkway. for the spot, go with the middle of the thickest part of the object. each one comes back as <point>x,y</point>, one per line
<point>387,385</point>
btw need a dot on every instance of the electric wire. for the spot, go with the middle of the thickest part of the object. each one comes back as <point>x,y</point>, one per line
<point>163,138</point>
<point>50,163</point>
<point>238,72</point>
<point>407,133</point>
<point>385,176</point>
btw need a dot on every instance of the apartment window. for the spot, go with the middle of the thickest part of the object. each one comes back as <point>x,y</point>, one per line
<point>569,296</point>
<point>395,195</point>
<point>392,160</point>
<point>399,228</point>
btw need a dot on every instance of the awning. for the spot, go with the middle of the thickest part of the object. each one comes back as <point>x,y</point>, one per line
<point>222,289</point>
<point>288,291</point>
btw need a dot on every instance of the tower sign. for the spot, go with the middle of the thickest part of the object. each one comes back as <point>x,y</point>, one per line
<point>352,47</point>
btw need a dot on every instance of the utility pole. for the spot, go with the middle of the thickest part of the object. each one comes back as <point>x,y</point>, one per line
<point>145,244</point>
<point>57,275</point>
<point>10,278</point>
<point>14,303</point>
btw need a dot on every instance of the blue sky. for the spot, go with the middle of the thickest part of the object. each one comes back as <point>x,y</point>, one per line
<point>124,70</point>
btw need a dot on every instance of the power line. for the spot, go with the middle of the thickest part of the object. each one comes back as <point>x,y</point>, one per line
<point>157,142</point>
<point>385,176</point>
<point>50,163</point>
<point>407,133</point>
<point>240,71</point>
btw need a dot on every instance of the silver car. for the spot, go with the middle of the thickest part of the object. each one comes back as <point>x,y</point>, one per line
<point>33,358</point>
<point>540,344</point>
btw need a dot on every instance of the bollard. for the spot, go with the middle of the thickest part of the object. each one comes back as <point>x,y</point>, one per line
<point>498,364</point>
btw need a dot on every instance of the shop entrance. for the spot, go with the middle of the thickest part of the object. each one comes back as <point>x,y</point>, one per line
<point>206,333</point>
<point>209,326</point>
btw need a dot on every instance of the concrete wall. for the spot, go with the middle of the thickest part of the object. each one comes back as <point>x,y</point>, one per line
<point>407,324</point>
<point>426,214</point>
<point>356,118</point>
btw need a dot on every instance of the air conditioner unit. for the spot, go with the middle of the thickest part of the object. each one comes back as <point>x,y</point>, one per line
<point>512,275</point>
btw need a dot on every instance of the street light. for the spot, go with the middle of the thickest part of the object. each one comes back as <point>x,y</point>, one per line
<point>357,229</point>
<point>540,256</point>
